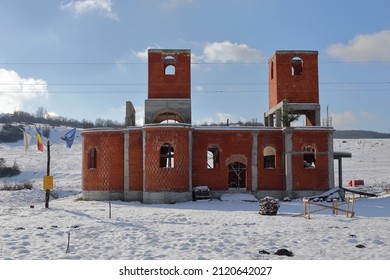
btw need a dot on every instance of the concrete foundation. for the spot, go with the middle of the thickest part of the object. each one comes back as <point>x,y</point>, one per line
<point>166,197</point>
<point>102,195</point>
<point>132,196</point>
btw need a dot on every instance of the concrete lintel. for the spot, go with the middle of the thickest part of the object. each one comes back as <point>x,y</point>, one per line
<point>296,107</point>
<point>168,51</point>
<point>277,107</point>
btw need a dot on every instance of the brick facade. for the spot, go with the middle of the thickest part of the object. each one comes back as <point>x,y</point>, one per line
<point>162,162</point>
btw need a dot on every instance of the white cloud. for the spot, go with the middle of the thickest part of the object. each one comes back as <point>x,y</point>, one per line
<point>103,7</point>
<point>199,89</point>
<point>368,115</point>
<point>217,52</point>
<point>139,115</point>
<point>225,52</point>
<point>364,48</point>
<point>171,4</point>
<point>344,120</point>
<point>17,93</point>
<point>142,55</point>
<point>219,117</point>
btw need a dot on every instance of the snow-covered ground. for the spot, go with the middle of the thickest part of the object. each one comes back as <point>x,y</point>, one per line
<point>226,229</point>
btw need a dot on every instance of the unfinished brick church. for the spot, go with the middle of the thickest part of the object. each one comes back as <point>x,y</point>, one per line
<point>161,162</point>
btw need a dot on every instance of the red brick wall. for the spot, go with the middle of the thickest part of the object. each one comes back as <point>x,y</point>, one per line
<point>298,88</point>
<point>271,178</point>
<point>310,178</point>
<point>230,143</point>
<point>135,160</point>
<point>169,86</point>
<point>108,174</point>
<point>234,145</point>
<point>174,179</point>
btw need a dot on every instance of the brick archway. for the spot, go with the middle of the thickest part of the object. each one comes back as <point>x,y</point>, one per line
<point>237,175</point>
<point>170,114</point>
<point>237,172</point>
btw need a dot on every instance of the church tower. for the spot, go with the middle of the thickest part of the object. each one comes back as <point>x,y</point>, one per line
<point>293,87</point>
<point>169,86</point>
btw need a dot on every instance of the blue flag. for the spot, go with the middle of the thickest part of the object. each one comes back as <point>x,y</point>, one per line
<point>69,137</point>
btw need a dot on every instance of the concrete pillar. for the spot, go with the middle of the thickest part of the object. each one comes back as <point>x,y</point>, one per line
<point>340,166</point>
<point>341,191</point>
<point>254,161</point>
<point>130,114</point>
<point>318,116</point>
<point>288,159</point>
<point>190,144</point>
<point>330,161</point>
<point>266,120</point>
<point>143,160</point>
<point>278,113</point>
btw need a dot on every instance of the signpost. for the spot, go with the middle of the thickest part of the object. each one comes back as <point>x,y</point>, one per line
<point>48,180</point>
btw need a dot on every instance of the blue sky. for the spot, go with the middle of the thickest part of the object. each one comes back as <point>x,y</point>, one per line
<point>85,59</point>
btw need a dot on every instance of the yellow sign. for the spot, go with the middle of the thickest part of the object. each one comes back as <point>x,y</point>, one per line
<point>47,182</point>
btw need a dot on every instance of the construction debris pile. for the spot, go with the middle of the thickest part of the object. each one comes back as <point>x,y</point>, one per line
<point>269,206</point>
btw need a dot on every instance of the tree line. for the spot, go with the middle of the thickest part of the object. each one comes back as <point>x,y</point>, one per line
<point>41,116</point>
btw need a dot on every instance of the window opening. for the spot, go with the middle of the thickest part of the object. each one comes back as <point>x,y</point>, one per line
<point>237,175</point>
<point>167,156</point>
<point>212,157</point>
<point>170,70</point>
<point>272,70</point>
<point>92,158</point>
<point>269,157</point>
<point>169,62</point>
<point>309,156</point>
<point>296,66</point>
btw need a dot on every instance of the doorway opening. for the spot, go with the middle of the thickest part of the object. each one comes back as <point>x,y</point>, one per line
<point>237,175</point>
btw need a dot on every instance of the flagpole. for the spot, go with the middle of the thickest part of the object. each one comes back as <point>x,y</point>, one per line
<point>47,197</point>
<point>48,180</point>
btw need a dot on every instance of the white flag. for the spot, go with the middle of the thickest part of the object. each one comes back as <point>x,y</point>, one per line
<point>26,139</point>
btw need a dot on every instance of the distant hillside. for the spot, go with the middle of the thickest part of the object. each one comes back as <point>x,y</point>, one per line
<point>44,118</point>
<point>359,134</point>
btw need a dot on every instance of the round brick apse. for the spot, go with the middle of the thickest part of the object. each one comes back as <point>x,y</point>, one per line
<point>106,172</point>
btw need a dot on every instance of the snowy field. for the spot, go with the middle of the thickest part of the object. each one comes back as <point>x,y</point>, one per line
<point>226,229</point>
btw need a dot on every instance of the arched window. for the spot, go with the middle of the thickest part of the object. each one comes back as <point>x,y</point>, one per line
<point>166,156</point>
<point>269,157</point>
<point>309,156</point>
<point>212,157</point>
<point>170,70</point>
<point>296,66</point>
<point>92,158</point>
<point>169,62</point>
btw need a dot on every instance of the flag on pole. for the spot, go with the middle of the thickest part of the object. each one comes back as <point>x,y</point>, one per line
<point>26,139</point>
<point>39,140</point>
<point>69,137</point>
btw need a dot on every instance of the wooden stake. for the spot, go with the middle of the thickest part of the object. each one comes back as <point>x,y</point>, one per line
<point>67,248</point>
